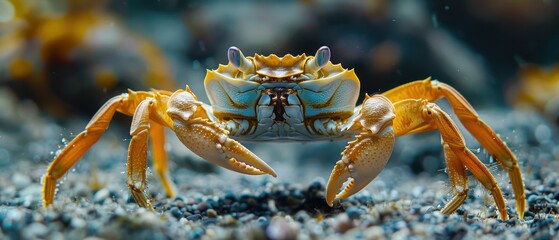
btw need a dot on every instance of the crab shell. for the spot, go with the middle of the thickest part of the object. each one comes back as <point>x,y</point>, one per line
<point>318,88</point>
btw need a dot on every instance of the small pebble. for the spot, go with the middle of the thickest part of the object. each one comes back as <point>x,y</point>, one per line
<point>176,212</point>
<point>35,231</point>
<point>280,229</point>
<point>247,218</point>
<point>353,213</point>
<point>101,195</point>
<point>211,213</point>
<point>374,232</point>
<point>194,217</point>
<point>342,223</point>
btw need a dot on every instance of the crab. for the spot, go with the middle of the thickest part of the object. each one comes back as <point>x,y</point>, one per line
<point>294,98</point>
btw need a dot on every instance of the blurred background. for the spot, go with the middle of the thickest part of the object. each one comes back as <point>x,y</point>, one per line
<point>60,60</point>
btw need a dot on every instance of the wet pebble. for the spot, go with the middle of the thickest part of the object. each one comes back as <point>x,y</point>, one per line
<point>342,223</point>
<point>176,212</point>
<point>194,217</point>
<point>247,218</point>
<point>35,231</point>
<point>353,213</point>
<point>281,229</point>
<point>211,213</point>
<point>101,195</point>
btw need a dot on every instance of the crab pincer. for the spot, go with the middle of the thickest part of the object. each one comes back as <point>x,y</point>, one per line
<point>365,157</point>
<point>207,140</point>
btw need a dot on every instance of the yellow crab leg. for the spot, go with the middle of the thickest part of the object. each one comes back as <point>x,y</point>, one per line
<point>157,135</point>
<point>414,113</point>
<point>458,180</point>
<point>137,151</point>
<point>126,104</point>
<point>78,146</point>
<point>434,90</point>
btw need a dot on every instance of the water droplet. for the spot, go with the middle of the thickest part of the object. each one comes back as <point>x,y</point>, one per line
<point>542,133</point>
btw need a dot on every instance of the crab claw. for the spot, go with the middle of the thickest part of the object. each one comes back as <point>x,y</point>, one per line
<point>208,140</point>
<point>361,162</point>
<point>202,138</point>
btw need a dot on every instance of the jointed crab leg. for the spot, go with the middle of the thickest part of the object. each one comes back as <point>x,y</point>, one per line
<point>157,135</point>
<point>458,180</point>
<point>137,151</point>
<point>78,146</point>
<point>126,104</point>
<point>434,90</point>
<point>430,116</point>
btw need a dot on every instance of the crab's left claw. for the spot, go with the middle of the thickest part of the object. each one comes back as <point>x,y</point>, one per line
<point>364,158</point>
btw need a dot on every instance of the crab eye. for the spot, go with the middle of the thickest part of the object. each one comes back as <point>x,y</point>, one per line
<point>322,56</point>
<point>320,60</point>
<point>234,55</point>
<point>239,60</point>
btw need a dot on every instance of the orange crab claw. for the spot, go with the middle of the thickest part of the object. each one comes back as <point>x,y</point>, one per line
<point>202,138</point>
<point>362,160</point>
<point>209,141</point>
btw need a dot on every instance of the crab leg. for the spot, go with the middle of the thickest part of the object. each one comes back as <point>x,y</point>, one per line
<point>157,135</point>
<point>126,104</point>
<point>458,180</point>
<point>207,139</point>
<point>78,146</point>
<point>434,90</point>
<point>365,157</point>
<point>137,152</point>
<point>142,127</point>
<point>430,116</point>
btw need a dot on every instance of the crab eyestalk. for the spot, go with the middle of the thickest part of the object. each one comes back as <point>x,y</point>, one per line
<point>321,58</point>
<point>237,59</point>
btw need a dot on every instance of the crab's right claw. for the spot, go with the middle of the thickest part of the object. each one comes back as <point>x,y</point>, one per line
<point>208,140</point>
<point>203,138</point>
<point>362,160</point>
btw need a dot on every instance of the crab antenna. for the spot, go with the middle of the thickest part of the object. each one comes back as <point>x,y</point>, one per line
<point>239,60</point>
<point>320,59</point>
